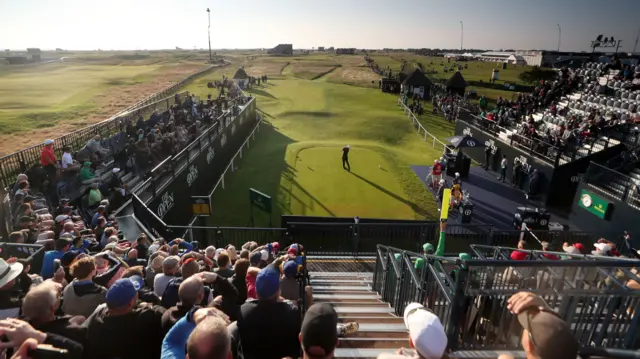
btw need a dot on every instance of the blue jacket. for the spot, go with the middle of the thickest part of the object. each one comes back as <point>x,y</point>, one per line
<point>47,263</point>
<point>174,345</point>
<point>186,245</point>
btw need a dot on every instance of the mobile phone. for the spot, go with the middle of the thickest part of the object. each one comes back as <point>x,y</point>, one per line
<point>56,265</point>
<point>47,352</point>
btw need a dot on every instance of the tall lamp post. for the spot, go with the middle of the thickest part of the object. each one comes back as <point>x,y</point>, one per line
<point>461,34</point>
<point>559,36</point>
<point>636,44</point>
<point>209,33</point>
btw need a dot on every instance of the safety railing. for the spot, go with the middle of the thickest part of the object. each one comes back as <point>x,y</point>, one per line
<point>13,164</point>
<point>469,296</point>
<point>428,137</point>
<point>614,183</point>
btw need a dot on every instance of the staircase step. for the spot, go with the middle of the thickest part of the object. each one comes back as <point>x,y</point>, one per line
<point>360,352</point>
<point>341,288</point>
<point>339,297</point>
<point>373,319</point>
<point>339,281</point>
<point>348,303</point>
<point>341,274</point>
<point>369,311</point>
<point>380,343</point>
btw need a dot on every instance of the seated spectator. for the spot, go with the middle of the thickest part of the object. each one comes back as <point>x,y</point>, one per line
<point>61,247</point>
<point>545,248</point>
<point>170,267</point>
<point>82,296</point>
<point>224,265</point>
<point>100,212</point>
<point>67,160</point>
<point>117,329</point>
<point>14,285</point>
<point>39,309</point>
<point>86,175</point>
<point>21,177</point>
<point>95,196</point>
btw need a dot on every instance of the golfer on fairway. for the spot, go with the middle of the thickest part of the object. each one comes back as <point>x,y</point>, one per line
<point>345,158</point>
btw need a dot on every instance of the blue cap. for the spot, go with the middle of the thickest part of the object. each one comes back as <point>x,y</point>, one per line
<point>290,269</point>
<point>120,293</point>
<point>267,282</point>
<point>137,281</point>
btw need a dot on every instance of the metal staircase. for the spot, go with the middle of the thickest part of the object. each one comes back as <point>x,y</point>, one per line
<point>352,297</point>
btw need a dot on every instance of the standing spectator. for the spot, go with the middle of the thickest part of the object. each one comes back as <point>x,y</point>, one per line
<point>504,163</point>
<point>82,296</point>
<point>61,247</point>
<point>545,335</point>
<point>170,267</point>
<point>191,293</point>
<point>117,329</point>
<point>171,296</point>
<point>224,265</point>
<point>67,160</point>
<point>210,339</point>
<point>39,309</point>
<point>268,320</point>
<point>48,160</point>
<point>238,279</point>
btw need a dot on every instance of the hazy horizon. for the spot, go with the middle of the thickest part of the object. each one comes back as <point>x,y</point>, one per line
<point>121,25</point>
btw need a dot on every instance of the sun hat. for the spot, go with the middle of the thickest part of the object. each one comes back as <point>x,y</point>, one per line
<point>425,330</point>
<point>9,272</point>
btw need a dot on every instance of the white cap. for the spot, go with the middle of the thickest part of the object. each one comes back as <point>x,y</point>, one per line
<point>48,142</point>
<point>425,330</point>
<point>218,251</point>
<point>457,174</point>
<point>264,255</point>
<point>115,170</point>
<point>571,250</point>
<point>435,161</point>
<point>602,247</point>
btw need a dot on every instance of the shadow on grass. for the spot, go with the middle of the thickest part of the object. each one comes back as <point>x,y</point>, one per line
<point>414,207</point>
<point>318,114</point>
<point>264,93</point>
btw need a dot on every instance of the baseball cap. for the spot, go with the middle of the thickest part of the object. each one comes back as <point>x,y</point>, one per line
<point>68,258</point>
<point>255,258</point>
<point>101,208</point>
<point>121,293</point>
<point>264,255</point>
<point>579,246</point>
<point>292,252</point>
<point>571,250</point>
<point>290,269</point>
<point>602,247</point>
<point>275,246</point>
<point>419,263</point>
<point>48,142</point>
<point>428,248</point>
<point>267,282</point>
<point>425,330</point>
<point>137,281</point>
<point>318,330</point>
<point>115,170</point>
<point>552,337</point>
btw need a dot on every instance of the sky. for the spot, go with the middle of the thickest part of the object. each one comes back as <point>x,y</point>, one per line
<point>372,24</point>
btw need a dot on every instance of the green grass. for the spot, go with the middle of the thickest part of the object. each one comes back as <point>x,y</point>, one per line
<point>296,158</point>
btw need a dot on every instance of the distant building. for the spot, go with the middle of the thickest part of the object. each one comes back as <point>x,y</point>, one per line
<point>282,49</point>
<point>505,57</point>
<point>552,58</point>
<point>320,48</point>
<point>241,78</point>
<point>345,51</point>
<point>17,60</point>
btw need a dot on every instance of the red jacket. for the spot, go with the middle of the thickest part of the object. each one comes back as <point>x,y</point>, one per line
<point>47,157</point>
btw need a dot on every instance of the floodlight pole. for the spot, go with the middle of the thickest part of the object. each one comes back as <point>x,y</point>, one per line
<point>209,33</point>
<point>636,44</point>
<point>461,34</point>
<point>559,36</point>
